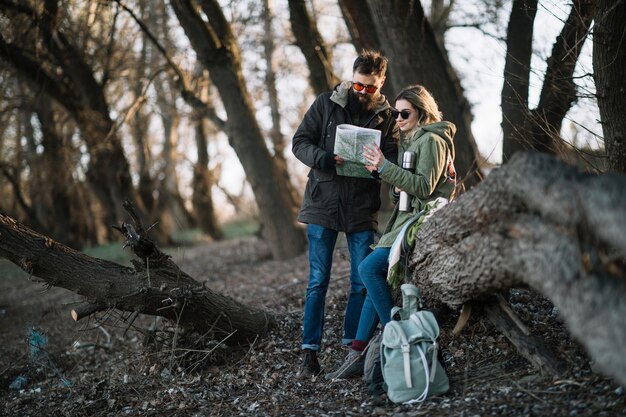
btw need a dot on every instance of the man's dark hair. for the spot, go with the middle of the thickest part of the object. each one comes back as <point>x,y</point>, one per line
<point>370,63</point>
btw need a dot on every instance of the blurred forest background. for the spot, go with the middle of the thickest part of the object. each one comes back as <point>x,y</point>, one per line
<point>187,107</point>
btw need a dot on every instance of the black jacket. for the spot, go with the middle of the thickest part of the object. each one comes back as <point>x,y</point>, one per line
<point>345,204</point>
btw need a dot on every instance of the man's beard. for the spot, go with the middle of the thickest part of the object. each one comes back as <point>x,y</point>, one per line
<point>363,103</point>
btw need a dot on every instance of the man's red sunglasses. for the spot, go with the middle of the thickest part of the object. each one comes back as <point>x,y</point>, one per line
<point>369,89</point>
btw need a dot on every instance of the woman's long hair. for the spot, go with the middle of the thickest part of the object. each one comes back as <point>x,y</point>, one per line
<point>423,102</point>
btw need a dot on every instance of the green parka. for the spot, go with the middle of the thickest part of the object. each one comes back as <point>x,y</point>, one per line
<point>345,204</point>
<point>432,145</point>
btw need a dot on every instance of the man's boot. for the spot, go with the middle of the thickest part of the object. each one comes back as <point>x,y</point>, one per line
<point>310,366</point>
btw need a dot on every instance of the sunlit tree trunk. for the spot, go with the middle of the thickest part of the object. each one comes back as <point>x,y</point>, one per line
<point>219,53</point>
<point>278,140</point>
<point>170,199</point>
<point>139,126</point>
<point>169,194</point>
<point>148,187</point>
<point>203,178</point>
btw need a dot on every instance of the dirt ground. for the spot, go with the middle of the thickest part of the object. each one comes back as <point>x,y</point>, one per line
<point>104,368</point>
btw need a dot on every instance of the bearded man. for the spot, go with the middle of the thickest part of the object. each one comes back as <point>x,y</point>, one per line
<point>334,203</point>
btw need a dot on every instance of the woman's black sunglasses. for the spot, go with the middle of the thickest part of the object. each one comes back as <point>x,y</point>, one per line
<point>404,113</point>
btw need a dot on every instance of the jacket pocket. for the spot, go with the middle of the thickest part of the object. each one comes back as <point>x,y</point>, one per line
<point>317,177</point>
<point>321,175</point>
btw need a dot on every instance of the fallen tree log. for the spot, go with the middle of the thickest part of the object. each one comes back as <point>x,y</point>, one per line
<point>538,222</point>
<point>535,221</point>
<point>155,285</point>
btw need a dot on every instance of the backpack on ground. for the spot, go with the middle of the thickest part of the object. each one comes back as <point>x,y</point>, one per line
<point>409,358</point>
<point>372,374</point>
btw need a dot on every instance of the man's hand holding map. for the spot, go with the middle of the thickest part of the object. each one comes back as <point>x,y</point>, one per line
<point>349,143</point>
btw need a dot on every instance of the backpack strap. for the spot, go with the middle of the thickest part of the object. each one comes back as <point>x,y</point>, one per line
<point>411,299</point>
<point>428,379</point>
<point>394,310</point>
<point>450,170</point>
<point>417,319</point>
<point>406,352</point>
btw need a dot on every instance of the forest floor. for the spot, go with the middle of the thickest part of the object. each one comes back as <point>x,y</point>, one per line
<point>103,368</point>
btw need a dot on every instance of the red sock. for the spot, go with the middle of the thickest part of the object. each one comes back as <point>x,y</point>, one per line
<point>358,345</point>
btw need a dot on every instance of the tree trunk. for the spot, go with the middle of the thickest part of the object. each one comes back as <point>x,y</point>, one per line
<point>278,140</point>
<point>514,98</point>
<point>203,182</point>
<point>360,22</point>
<point>439,14</point>
<point>609,63</point>
<point>139,129</point>
<point>169,195</point>
<point>69,221</point>
<point>219,53</point>
<point>559,90</point>
<point>540,128</point>
<point>155,286</point>
<point>410,32</point>
<point>73,85</point>
<point>536,221</point>
<point>313,47</point>
<point>147,188</point>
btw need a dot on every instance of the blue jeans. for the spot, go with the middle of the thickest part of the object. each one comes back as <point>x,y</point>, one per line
<point>378,304</point>
<point>321,246</point>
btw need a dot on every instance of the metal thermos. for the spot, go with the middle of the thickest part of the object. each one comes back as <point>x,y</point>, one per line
<point>408,163</point>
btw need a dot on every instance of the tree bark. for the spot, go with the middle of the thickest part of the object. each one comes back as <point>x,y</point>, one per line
<point>360,22</point>
<point>218,52</point>
<point>558,92</point>
<point>514,98</point>
<point>540,128</point>
<point>203,181</point>
<point>155,286</point>
<point>439,15</point>
<point>68,215</point>
<point>609,66</point>
<point>275,134</point>
<point>506,321</point>
<point>140,123</point>
<point>313,47</point>
<point>403,29</point>
<point>139,127</point>
<point>169,196</point>
<point>73,85</point>
<point>540,222</point>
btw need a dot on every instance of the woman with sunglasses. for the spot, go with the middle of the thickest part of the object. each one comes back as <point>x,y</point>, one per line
<point>425,134</point>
